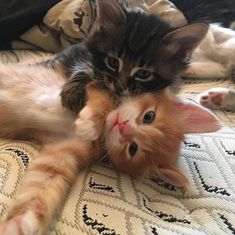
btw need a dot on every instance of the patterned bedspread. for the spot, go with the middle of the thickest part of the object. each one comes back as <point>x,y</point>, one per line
<point>104,201</point>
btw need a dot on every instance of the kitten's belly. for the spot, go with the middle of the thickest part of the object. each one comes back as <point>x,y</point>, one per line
<point>32,97</point>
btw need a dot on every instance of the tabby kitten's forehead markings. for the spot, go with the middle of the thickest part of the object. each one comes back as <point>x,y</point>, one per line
<point>130,51</point>
<point>138,51</point>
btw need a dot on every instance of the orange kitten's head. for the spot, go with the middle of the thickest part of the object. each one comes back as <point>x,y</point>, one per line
<point>144,134</point>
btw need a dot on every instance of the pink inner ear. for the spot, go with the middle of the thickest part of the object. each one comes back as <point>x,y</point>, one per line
<point>196,119</point>
<point>173,176</point>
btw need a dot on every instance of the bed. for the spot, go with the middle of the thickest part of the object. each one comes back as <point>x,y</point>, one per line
<point>104,201</point>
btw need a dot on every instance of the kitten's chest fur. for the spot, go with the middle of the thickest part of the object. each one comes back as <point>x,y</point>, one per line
<point>32,96</point>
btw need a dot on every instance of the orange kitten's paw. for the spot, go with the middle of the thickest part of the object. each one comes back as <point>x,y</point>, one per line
<point>87,125</point>
<point>25,224</point>
<point>218,98</point>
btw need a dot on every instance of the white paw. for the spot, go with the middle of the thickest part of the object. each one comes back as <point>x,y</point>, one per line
<point>86,113</point>
<point>86,127</point>
<point>25,224</point>
<point>217,98</point>
<point>86,130</point>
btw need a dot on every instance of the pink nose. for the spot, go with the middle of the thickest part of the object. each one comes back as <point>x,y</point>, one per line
<point>123,127</point>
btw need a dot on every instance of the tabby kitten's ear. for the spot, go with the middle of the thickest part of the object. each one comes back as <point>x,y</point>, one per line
<point>109,11</point>
<point>182,42</point>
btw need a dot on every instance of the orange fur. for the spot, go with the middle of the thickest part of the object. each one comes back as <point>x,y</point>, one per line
<point>52,174</point>
<point>159,141</point>
<point>32,109</point>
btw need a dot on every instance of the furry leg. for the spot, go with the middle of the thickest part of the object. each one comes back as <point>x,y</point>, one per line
<point>207,70</point>
<point>45,185</point>
<point>90,123</point>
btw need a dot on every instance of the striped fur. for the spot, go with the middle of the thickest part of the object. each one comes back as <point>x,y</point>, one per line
<point>139,41</point>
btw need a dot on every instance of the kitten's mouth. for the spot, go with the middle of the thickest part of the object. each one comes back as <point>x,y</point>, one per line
<point>118,126</point>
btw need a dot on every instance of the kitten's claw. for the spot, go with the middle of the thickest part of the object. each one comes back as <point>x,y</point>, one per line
<point>218,98</point>
<point>87,127</point>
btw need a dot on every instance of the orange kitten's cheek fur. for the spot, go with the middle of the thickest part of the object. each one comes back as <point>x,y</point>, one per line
<point>158,142</point>
<point>137,166</point>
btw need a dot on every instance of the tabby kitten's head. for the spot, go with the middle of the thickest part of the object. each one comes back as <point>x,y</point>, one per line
<point>144,134</point>
<point>137,51</point>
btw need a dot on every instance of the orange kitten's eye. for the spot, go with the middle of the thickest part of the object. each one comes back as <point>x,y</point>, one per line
<point>149,117</point>
<point>133,149</point>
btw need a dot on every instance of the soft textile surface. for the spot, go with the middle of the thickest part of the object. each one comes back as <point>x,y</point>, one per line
<point>104,201</point>
<point>70,21</point>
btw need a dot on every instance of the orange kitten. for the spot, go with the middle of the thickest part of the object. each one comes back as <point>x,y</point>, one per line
<point>142,136</point>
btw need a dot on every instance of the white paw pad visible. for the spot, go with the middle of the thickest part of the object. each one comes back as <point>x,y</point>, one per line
<point>216,98</point>
<point>86,127</point>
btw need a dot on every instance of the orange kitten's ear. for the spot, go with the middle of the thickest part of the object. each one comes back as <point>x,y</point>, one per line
<point>172,176</point>
<point>182,42</point>
<point>195,118</point>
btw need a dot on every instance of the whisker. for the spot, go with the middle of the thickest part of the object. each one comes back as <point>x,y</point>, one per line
<point>103,157</point>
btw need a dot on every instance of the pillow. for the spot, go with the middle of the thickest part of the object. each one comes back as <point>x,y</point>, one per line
<point>69,22</point>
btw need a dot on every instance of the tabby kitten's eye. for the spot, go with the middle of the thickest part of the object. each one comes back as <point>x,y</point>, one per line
<point>113,63</point>
<point>142,74</point>
<point>133,149</point>
<point>149,117</point>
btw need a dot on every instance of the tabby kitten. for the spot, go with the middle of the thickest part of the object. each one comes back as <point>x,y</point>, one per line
<point>127,52</point>
<point>142,135</point>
